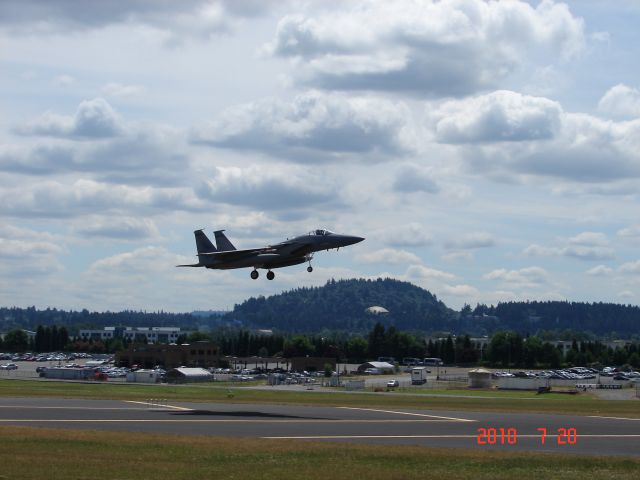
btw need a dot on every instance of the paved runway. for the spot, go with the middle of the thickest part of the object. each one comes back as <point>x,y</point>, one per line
<point>502,431</point>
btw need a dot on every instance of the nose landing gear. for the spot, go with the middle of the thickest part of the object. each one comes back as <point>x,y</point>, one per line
<point>309,269</point>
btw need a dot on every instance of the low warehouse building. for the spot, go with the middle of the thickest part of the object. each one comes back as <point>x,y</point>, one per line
<point>187,375</point>
<point>380,367</point>
<point>144,376</point>
<point>479,378</point>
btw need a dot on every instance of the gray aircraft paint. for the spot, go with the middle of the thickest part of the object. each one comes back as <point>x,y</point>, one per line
<point>284,254</point>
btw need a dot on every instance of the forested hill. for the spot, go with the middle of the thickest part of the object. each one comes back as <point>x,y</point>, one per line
<point>622,321</point>
<point>342,304</point>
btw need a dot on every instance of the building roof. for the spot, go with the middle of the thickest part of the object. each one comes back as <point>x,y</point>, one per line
<point>190,372</point>
<point>377,310</point>
<point>380,365</point>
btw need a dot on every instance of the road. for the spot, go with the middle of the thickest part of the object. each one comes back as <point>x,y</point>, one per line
<point>521,432</point>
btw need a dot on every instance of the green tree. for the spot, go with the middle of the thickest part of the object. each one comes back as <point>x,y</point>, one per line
<point>16,341</point>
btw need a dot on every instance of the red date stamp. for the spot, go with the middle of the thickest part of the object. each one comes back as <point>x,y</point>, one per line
<point>509,436</point>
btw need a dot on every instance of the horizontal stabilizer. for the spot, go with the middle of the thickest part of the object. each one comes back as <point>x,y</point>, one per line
<point>191,265</point>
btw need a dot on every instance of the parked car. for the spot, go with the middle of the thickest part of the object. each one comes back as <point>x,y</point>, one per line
<point>393,383</point>
<point>9,366</point>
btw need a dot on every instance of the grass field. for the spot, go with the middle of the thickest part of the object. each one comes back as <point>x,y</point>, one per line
<point>31,453</point>
<point>492,400</point>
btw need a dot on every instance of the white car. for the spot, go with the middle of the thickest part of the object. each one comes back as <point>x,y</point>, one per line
<point>9,366</point>
<point>393,383</point>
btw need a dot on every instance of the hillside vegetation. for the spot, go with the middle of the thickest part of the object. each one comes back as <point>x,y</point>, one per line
<point>342,305</point>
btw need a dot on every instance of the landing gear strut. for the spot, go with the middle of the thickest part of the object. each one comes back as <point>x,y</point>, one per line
<point>270,275</point>
<point>255,274</point>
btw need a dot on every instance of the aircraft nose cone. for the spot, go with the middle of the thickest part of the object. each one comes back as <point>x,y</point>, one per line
<point>351,240</point>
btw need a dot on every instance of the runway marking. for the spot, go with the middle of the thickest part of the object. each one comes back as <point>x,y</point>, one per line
<point>34,407</point>
<point>338,437</point>
<point>161,405</point>
<point>616,418</point>
<point>451,419</point>
<point>202,420</point>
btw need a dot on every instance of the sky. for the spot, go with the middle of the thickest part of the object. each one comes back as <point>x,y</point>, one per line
<point>488,151</point>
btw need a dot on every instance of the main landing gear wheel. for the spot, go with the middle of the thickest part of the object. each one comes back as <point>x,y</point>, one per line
<point>309,269</point>
<point>255,274</point>
<point>270,275</point>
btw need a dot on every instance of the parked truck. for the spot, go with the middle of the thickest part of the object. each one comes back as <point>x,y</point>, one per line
<point>419,375</point>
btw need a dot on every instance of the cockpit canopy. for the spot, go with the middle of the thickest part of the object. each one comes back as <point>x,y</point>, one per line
<point>321,232</point>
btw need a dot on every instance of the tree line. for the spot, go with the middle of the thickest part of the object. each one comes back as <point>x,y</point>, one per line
<point>506,349</point>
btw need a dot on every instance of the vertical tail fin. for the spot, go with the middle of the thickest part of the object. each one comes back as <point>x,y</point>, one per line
<point>203,244</point>
<point>223,242</point>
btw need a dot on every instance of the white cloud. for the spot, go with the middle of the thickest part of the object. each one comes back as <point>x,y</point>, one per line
<point>530,277</point>
<point>124,228</point>
<point>471,240</point>
<point>184,19</point>
<point>630,267</point>
<point>600,271</point>
<point>93,119</point>
<point>586,149</point>
<point>587,246</point>
<point>496,117</point>
<point>463,291</point>
<point>121,90</point>
<point>632,231</point>
<point>408,235</point>
<point>313,126</point>
<point>430,47</point>
<point>388,255</point>
<point>51,199</point>
<point>422,272</point>
<point>268,187</point>
<point>412,178</point>
<point>621,101</point>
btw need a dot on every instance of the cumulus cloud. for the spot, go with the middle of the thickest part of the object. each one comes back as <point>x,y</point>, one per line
<point>588,246</point>
<point>93,119</point>
<point>388,256</point>
<point>25,252</point>
<point>97,141</point>
<point>472,240</point>
<point>121,90</point>
<point>630,267</point>
<point>530,277</point>
<point>119,228</point>
<point>439,48</point>
<point>312,126</point>
<point>600,271</point>
<point>552,143</point>
<point>632,231</point>
<point>268,187</point>
<point>187,18</point>
<point>496,117</point>
<point>422,272</point>
<point>53,199</point>
<point>621,101</point>
<point>412,178</point>
<point>408,235</point>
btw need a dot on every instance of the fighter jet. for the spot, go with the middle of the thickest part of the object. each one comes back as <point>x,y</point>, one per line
<point>292,251</point>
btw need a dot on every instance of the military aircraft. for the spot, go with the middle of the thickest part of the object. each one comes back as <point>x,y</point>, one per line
<point>292,251</point>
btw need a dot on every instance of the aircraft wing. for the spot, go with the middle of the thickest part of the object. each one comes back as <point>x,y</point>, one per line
<point>293,249</point>
<point>231,255</point>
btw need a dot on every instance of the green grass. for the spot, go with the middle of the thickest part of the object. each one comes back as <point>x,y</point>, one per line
<point>30,453</point>
<point>500,401</point>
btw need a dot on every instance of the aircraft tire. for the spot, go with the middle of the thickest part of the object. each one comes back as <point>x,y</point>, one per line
<point>309,269</point>
<point>255,274</point>
<point>270,275</point>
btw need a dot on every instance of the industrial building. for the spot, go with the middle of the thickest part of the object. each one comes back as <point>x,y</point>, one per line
<point>199,354</point>
<point>137,334</point>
